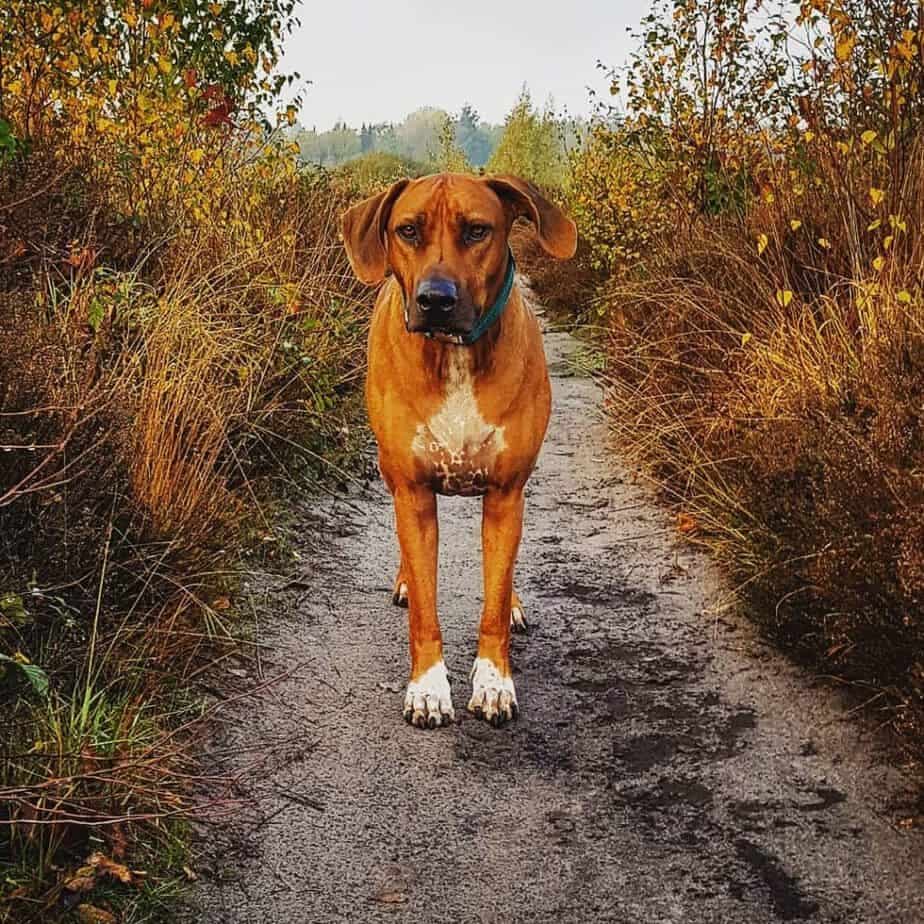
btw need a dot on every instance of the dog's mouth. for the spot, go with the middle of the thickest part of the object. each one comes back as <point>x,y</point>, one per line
<point>447,330</point>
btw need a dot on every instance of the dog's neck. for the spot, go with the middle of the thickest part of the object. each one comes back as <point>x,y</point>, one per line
<point>494,346</point>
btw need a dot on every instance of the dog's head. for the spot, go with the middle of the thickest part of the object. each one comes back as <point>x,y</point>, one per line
<point>445,239</point>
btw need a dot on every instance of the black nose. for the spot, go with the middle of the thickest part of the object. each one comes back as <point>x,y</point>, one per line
<point>437,294</point>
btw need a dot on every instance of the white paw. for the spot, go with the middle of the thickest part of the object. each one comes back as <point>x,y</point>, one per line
<point>428,701</point>
<point>493,697</point>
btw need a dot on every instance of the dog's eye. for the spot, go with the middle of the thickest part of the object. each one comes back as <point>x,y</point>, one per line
<point>476,233</point>
<point>407,232</point>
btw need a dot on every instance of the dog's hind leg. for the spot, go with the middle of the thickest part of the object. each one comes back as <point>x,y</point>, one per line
<point>493,695</point>
<point>428,701</point>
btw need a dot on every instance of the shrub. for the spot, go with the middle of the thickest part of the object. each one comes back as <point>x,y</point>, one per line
<point>531,145</point>
<point>180,327</point>
<point>762,235</point>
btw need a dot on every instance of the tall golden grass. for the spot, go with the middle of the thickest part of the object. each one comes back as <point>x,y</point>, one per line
<point>776,400</point>
<point>147,405</point>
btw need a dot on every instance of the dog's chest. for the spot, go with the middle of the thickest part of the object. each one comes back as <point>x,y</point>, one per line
<point>457,446</point>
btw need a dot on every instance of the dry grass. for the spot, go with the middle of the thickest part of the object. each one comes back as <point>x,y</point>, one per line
<point>154,392</point>
<point>776,400</point>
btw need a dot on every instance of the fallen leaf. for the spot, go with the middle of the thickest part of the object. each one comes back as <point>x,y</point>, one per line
<point>108,867</point>
<point>90,914</point>
<point>190,874</point>
<point>685,523</point>
<point>82,881</point>
<point>391,898</point>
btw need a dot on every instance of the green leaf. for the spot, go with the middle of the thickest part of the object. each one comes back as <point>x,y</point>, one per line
<point>95,314</point>
<point>12,607</point>
<point>37,678</point>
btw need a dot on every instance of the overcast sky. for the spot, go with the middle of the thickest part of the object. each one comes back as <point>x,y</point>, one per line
<point>378,60</point>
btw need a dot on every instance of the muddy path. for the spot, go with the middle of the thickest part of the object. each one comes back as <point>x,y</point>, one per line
<point>667,766</point>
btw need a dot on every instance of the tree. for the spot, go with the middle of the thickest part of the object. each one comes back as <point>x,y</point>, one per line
<point>60,56</point>
<point>530,145</point>
<point>472,138</point>
<point>448,156</point>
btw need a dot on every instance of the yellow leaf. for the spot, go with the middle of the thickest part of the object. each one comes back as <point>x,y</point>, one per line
<point>290,115</point>
<point>809,135</point>
<point>887,242</point>
<point>164,64</point>
<point>876,195</point>
<point>824,242</point>
<point>783,297</point>
<point>874,224</point>
<point>795,224</point>
<point>196,155</point>
<point>878,263</point>
<point>844,47</point>
<point>904,296</point>
<point>113,87</point>
<point>868,137</point>
<point>745,337</point>
<point>762,242</point>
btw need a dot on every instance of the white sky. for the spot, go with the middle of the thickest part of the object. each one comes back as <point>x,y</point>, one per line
<point>378,60</point>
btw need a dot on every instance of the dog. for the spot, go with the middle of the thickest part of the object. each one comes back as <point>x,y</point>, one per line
<point>459,398</point>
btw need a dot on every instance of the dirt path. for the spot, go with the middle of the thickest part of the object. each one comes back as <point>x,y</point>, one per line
<point>666,765</point>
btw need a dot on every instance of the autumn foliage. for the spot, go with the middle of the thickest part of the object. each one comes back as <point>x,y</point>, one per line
<point>755,207</point>
<point>180,330</point>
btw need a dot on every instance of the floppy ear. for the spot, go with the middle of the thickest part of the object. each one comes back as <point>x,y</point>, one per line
<point>364,233</point>
<point>556,231</point>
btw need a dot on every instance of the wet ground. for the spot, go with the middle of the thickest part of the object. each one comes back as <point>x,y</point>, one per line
<point>666,766</point>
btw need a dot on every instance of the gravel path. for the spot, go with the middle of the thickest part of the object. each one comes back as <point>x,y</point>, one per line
<point>667,766</point>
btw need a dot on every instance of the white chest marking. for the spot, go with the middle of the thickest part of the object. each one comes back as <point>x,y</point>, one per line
<point>457,442</point>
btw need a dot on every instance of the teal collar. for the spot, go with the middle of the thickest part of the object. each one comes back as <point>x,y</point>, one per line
<point>492,315</point>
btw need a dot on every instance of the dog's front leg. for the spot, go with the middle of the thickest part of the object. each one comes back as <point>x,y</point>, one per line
<point>428,702</point>
<point>493,696</point>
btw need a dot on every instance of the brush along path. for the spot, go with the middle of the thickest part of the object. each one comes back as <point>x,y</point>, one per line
<point>666,766</point>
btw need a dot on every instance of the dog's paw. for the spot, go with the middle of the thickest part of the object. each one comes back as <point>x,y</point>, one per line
<point>399,594</point>
<point>518,621</point>
<point>494,698</point>
<point>428,702</point>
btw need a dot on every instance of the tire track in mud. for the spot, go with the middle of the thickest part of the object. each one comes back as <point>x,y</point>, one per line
<point>667,766</point>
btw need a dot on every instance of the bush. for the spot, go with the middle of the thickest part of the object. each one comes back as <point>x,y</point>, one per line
<point>180,328</point>
<point>759,215</point>
<point>370,173</point>
<point>531,145</point>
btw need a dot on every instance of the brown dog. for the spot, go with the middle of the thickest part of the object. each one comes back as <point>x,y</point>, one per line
<point>458,396</point>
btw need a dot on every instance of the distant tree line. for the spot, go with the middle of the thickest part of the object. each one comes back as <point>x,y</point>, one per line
<point>532,142</point>
<point>416,138</point>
